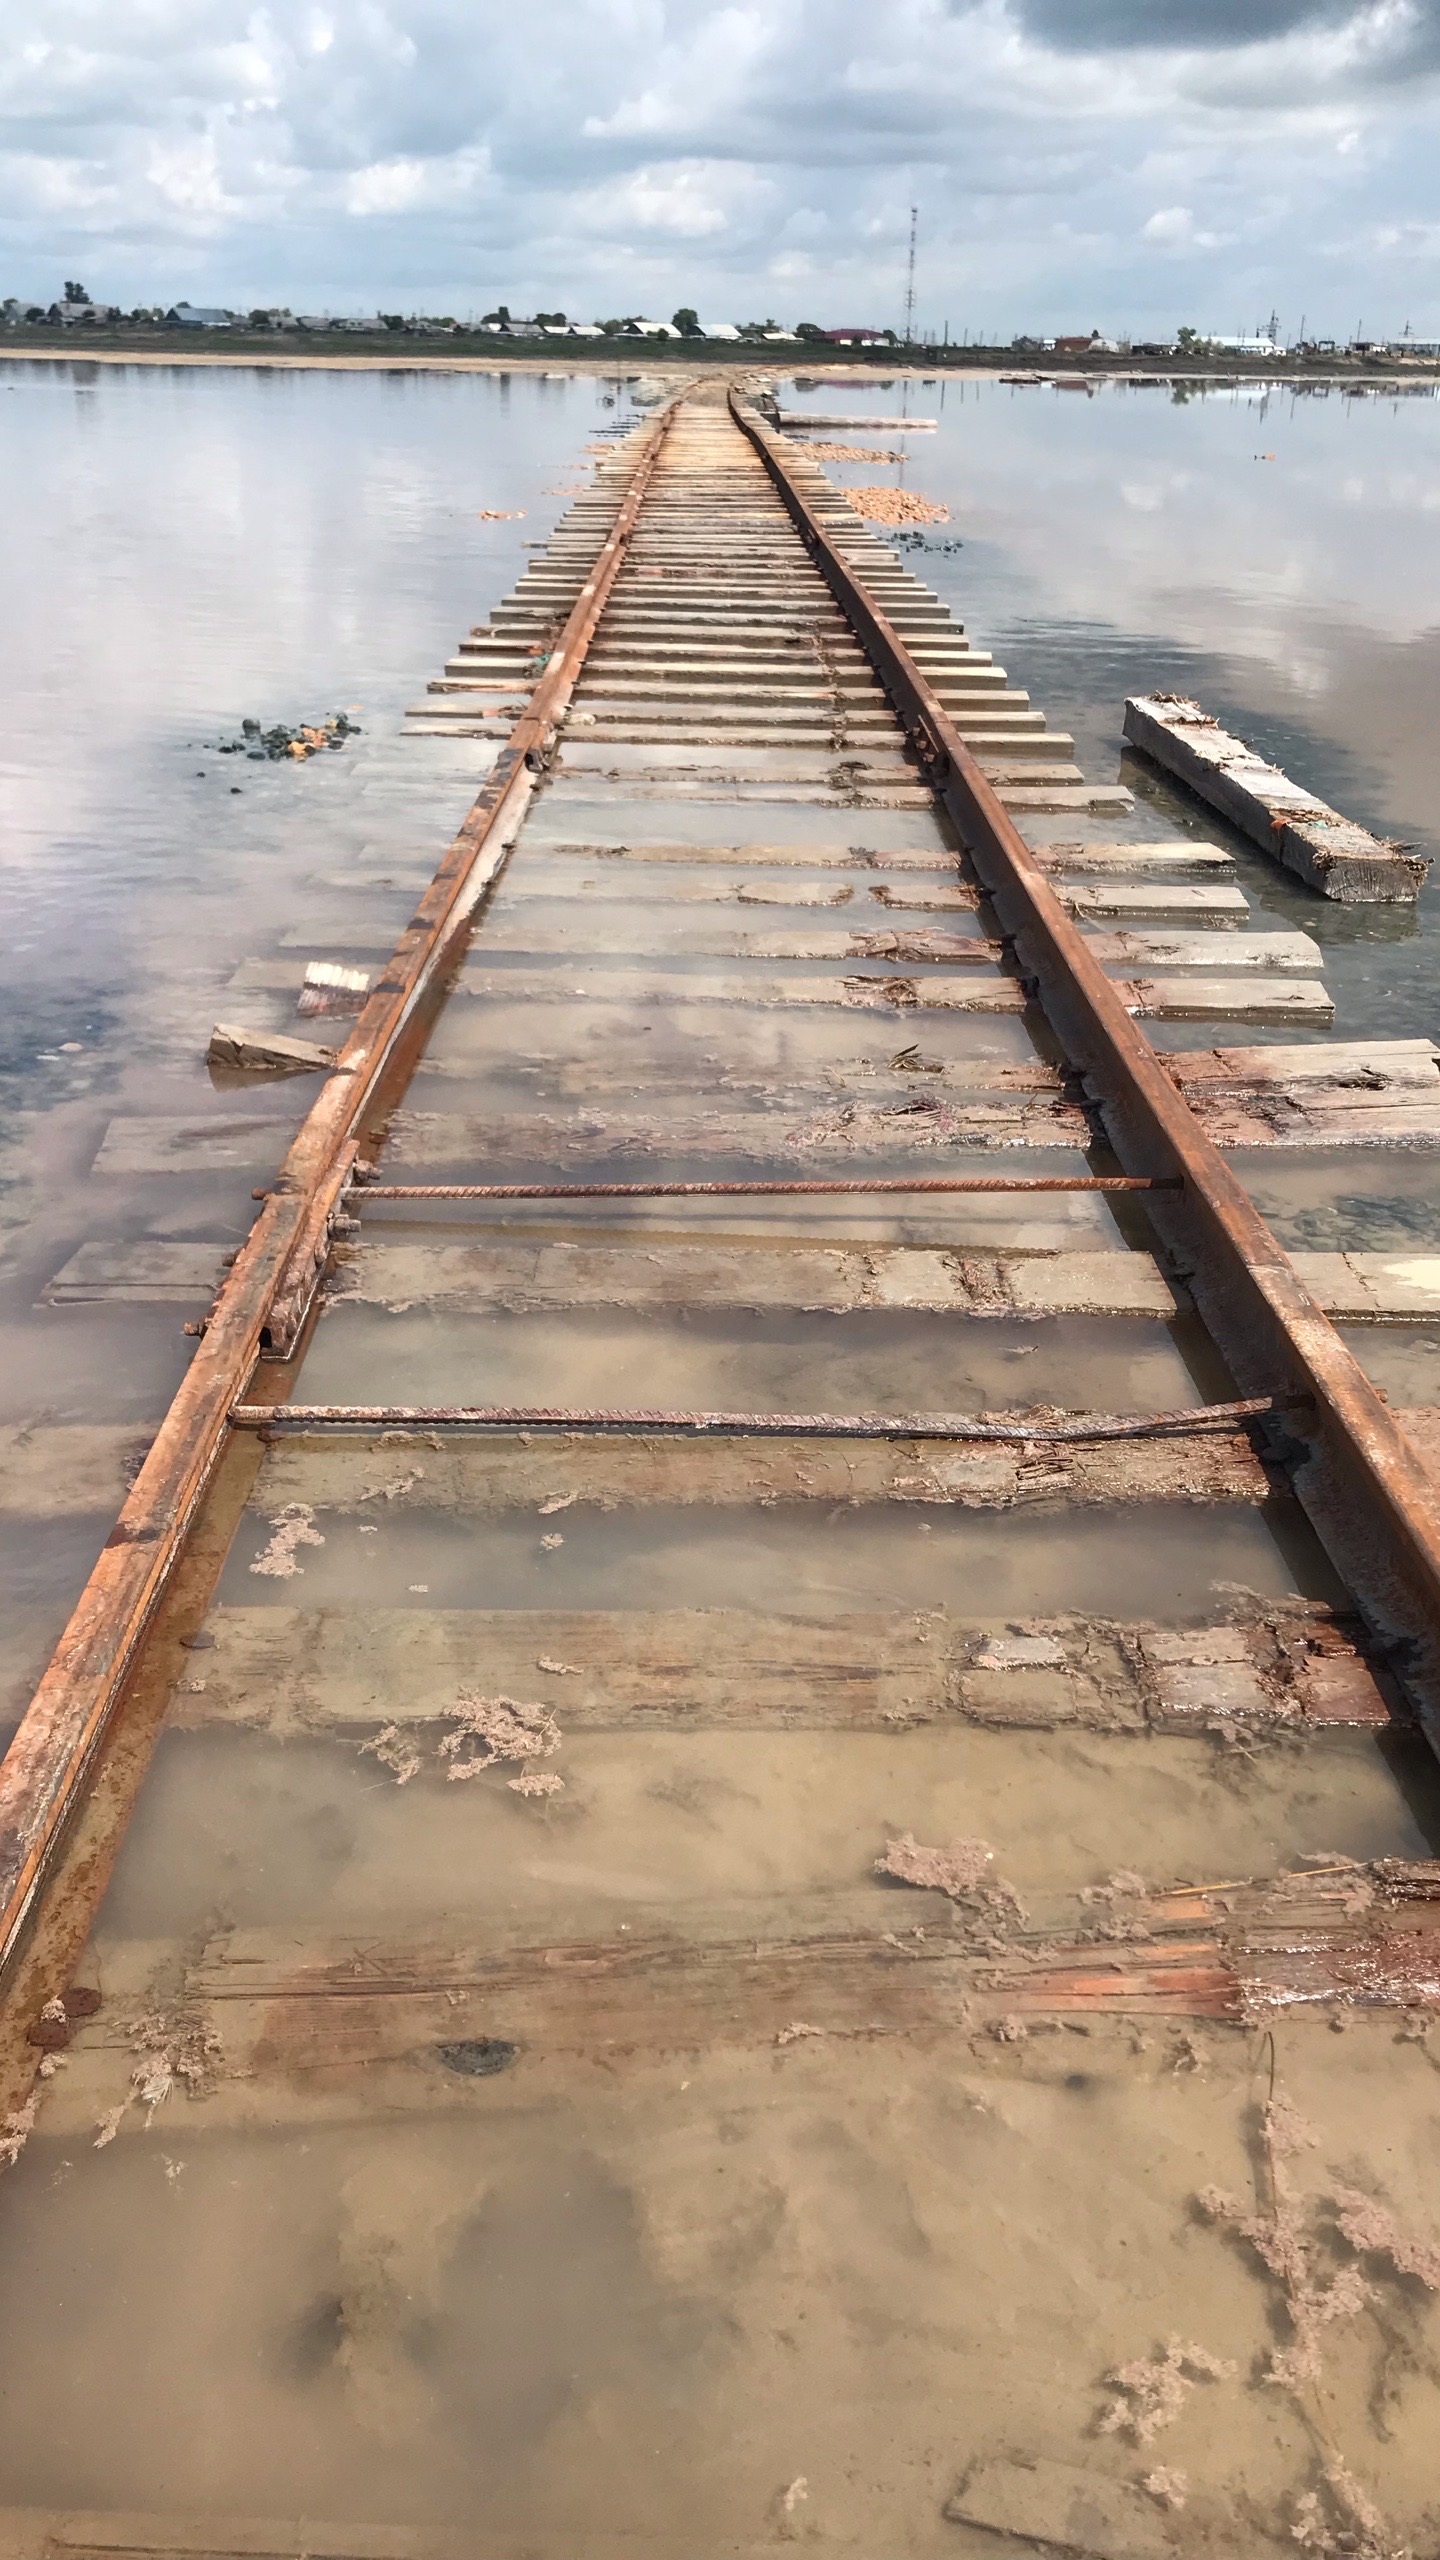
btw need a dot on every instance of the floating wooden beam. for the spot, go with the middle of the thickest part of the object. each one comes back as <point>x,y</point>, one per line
<point>1332,854</point>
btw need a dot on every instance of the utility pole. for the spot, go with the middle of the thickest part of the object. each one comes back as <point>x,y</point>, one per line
<point>910,281</point>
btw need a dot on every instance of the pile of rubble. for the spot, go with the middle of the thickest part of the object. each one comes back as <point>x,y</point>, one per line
<point>895,506</point>
<point>306,740</point>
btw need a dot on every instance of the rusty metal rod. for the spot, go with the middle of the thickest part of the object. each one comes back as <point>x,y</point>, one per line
<point>1186,1420</point>
<point>762,1190</point>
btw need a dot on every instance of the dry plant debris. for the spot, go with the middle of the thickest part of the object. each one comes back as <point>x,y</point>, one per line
<point>394,1750</point>
<point>500,515</point>
<point>895,506</point>
<point>1372,2230</point>
<point>291,1528</point>
<point>487,1732</point>
<point>1341,2517</point>
<point>1151,2392</point>
<point>19,2124</point>
<point>491,1729</point>
<point>170,2050</point>
<point>1300,2241</point>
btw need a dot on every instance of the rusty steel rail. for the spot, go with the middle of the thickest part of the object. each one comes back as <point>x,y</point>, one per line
<point>367,1190</point>
<point>1184,1421</point>
<point>1360,1479</point>
<point>265,1296</point>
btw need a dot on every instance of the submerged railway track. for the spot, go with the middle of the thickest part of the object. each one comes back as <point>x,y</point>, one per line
<point>757,1365</point>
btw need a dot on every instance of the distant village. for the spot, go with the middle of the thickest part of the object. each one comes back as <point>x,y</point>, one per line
<point>75,309</point>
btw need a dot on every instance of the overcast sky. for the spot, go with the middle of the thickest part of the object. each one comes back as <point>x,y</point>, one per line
<point>1118,163</point>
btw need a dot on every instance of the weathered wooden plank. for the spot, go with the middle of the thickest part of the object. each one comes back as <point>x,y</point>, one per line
<point>1173,858</point>
<point>167,1142</point>
<point>522,906</point>
<point>533,930</point>
<point>623,1067</point>
<point>1039,2505</point>
<point>787,1137</point>
<point>934,993</point>
<point>1284,954</point>
<point>1200,901</point>
<point>1332,854</point>
<point>287,1671</point>
<point>1202,998</point>
<point>622,983</point>
<point>530,1277</point>
<point>671,888</point>
<point>270,1053</point>
<point>114,2533</point>
<point>805,857</point>
<point>503,1472</point>
<point>1196,997</point>
<point>1364,1065</point>
<point>1332,1093</point>
<point>1321,1119</point>
<point>841,1279</point>
<point>424,2012</point>
<point>1358,1288</point>
<point>153,1272</point>
<point>537,928</point>
<point>65,1470</point>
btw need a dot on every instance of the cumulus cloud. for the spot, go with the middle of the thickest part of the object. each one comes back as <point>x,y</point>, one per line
<point>1072,159</point>
<point>1175,227</point>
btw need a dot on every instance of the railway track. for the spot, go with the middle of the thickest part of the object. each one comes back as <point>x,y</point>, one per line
<point>768,1689</point>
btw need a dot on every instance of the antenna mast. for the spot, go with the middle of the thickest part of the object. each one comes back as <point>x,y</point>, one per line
<point>910,281</point>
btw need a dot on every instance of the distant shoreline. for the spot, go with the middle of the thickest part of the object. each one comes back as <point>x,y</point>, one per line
<point>626,358</point>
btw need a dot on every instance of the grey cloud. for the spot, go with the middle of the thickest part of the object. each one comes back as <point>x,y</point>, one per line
<point>1109,26</point>
<point>1402,48</point>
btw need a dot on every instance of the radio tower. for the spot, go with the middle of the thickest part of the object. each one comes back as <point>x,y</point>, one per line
<point>910,281</point>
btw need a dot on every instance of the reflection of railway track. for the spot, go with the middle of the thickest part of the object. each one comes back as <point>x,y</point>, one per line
<point>616,1392</point>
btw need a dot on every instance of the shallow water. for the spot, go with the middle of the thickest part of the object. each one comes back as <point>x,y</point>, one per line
<point>746,1363</point>
<point>794,1557</point>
